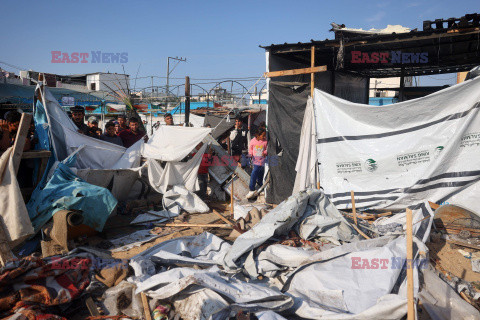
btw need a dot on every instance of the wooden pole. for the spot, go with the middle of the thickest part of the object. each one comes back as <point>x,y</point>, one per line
<point>354,211</point>
<point>20,140</point>
<point>312,75</point>
<point>231,196</point>
<point>410,297</point>
<point>196,225</point>
<point>146,307</point>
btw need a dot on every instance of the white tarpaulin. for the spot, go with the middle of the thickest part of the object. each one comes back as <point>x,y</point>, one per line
<point>95,153</point>
<point>13,214</point>
<point>307,156</point>
<point>399,155</point>
<point>175,173</point>
<point>173,143</point>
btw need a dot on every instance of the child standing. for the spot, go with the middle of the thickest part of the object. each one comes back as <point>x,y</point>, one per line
<point>258,151</point>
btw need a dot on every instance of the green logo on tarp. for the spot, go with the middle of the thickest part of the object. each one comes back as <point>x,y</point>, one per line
<point>371,165</point>
<point>437,151</point>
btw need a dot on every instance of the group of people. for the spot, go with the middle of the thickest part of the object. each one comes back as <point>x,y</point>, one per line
<point>122,131</point>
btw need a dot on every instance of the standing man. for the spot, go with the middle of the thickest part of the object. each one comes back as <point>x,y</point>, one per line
<point>168,119</point>
<point>132,135</point>
<point>239,142</point>
<point>93,128</point>
<point>110,135</point>
<point>78,115</point>
<point>122,123</point>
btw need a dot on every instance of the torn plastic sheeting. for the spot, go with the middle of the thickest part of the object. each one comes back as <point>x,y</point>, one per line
<point>65,191</point>
<point>133,240</point>
<point>442,302</point>
<point>275,258</point>
<point>120,182</point>
<point>175,173</point>
<point>173,143</point>
<point>346,285</point>
<point>65,139</point>
<point>204,249</point>
<point>203,304</point>
<point>284,217</point>
<point>269,315</point>
<point>242,295</point>
<point>180,198</point>
<point>153,216</point>
<point>356,284</point>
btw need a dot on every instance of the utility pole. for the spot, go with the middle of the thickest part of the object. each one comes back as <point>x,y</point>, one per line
<point>187,101</point>
<point>168,68</point>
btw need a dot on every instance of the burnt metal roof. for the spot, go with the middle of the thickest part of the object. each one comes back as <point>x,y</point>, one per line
<point>452,49</point>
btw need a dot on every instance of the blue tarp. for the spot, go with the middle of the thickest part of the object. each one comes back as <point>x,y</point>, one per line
<point>65,190</point>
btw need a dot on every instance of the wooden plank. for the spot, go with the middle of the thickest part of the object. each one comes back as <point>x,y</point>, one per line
<point>294,72</point>
<point>20,140</point>
<point>360,232</point>
<point>36,154</point>
<point>354,211</point>
<point>410,297</point>
<point>41,169</point>
<point>92,307</point>
<point>433,205</point>
<point>223,218</point>
<point>146,307</point>
<point>312,75</point>
<point>232,197</point>
<point>464,244</point>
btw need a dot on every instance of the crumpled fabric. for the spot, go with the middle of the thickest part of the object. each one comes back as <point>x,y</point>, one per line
<point>175,173</point>
<point>65,191</point>
<point>44,282</point>
<point>173,143</point>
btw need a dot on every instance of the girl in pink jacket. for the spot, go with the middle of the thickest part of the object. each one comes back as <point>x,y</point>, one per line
<point>258,152</point>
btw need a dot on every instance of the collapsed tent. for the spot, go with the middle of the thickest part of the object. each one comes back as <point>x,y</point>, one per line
<point>400,155</point>
<point>91,153</point>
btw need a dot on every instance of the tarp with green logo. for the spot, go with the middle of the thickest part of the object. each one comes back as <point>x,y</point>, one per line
<point>402,154</point>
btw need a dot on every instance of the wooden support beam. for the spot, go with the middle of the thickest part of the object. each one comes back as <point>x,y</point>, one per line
<point>20,140</point>
<point>354,210</point>
<point>410,296</point>
<point>294,72</point>
<point>146,307</point>
<point>196,225</point>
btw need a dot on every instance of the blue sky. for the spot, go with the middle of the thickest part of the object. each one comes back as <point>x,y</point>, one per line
<point>219,38</point>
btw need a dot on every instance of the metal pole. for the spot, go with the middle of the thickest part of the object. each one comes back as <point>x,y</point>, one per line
<point>187,100</point>
<point>168,73</point>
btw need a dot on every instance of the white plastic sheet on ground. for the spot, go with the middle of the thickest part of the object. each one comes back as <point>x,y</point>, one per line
<point>173,143</point>
<point>307,155</point>
<point>14,217</point>
<point>402,154</point>
<point>96,154</point>
<point>310,212</point>
<point>179,198</point>
<point>360,280</point>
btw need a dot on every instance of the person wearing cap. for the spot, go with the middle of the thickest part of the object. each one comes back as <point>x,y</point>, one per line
<point>168,119</point>
<point>110,135</point>
<point>78,117</point>
<point>133,134</point>
<point>94,130</point>
<point>238,141</point>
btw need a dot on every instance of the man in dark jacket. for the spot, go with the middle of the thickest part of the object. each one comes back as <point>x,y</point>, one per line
<point>78,117</point>
<point>238,140</point>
